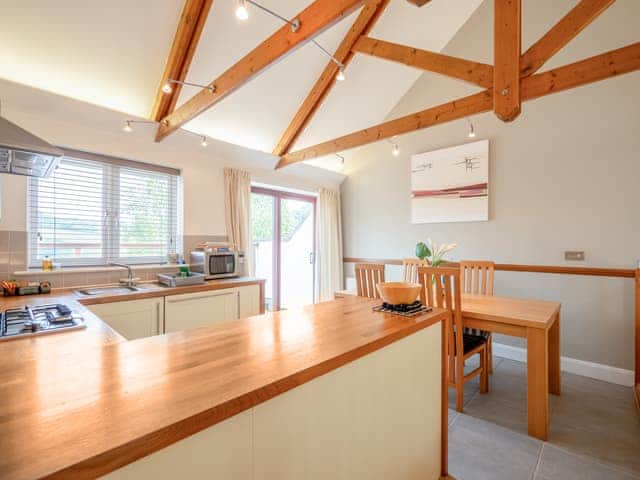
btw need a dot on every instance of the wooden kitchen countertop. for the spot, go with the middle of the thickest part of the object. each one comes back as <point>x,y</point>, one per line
<point>81,404</point>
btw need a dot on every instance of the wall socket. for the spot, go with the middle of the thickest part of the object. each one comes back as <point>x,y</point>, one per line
<point>575,256</point>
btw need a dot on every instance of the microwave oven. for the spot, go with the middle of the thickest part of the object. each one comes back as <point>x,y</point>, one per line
<point>217,264</point>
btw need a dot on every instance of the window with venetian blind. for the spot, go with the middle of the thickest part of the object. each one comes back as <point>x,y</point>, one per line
<point>94,210</point>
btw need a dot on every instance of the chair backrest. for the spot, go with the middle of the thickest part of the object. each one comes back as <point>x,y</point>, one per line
<point>441,288</point>
<point>368,275</point>
<point>411,268</point>
<point>477,277</point>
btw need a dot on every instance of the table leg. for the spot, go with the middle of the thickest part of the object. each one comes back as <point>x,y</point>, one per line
<point>538,382</point>
<point>554,356</point>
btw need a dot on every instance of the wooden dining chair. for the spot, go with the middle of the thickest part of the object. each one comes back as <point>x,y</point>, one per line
<point>477,279</point>
<point>368,275</point>
<point>441,288</point>
<point>411,266</point>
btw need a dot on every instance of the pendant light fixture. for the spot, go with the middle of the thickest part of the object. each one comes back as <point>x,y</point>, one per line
<point>395,151</point>
<point>167,88</point>
<point>472,132</point>
<point>204,140</point>
<point>242,13</point>
<point>127,124</point>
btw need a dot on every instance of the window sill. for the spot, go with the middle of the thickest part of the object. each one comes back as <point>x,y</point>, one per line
<point>63,270</point>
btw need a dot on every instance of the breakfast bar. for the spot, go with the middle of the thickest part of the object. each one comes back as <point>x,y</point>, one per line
<point>249,398</point>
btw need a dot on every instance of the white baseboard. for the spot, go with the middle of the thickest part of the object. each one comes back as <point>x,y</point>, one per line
<point>606,373</point>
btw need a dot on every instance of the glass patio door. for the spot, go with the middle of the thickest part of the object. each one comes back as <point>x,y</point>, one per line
<point>283,225</point>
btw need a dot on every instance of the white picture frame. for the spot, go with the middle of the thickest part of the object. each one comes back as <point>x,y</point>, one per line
<point>451,184</point>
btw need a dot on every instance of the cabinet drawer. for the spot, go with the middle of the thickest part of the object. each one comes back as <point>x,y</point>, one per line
<point>133,318</point>
<point>200,309</point>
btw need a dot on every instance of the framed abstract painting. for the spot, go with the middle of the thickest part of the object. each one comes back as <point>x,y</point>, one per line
<point>451,184</point>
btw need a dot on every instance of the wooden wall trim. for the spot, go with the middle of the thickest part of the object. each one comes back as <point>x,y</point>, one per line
<point>507,267</point>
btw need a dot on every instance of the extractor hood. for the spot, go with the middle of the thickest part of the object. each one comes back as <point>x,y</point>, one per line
<point>22,153</point>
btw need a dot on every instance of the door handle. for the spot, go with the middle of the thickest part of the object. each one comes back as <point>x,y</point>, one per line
<point>312,258</point>
<point>158,318</point>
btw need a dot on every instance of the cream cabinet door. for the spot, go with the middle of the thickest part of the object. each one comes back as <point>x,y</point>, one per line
<point>192,310</point>
<point>134,318</point>
<point>249,300</point>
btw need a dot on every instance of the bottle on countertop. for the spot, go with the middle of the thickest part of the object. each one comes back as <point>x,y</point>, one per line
<point>47,263</point>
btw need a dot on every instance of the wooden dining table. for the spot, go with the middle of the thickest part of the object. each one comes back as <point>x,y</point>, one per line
<point>539,322</point>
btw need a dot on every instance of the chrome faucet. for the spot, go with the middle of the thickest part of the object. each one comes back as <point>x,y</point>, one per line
<point>130,281</point>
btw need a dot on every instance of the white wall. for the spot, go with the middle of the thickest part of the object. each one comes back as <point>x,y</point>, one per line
<point>563,176</point>
<point>74,124</point>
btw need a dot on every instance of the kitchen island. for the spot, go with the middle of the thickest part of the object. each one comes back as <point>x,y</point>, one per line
<point>333,390</point>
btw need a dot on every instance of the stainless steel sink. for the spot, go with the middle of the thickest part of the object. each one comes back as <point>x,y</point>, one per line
<point>118,289</point>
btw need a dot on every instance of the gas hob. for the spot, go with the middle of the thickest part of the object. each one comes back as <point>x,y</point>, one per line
<point>38,320</point>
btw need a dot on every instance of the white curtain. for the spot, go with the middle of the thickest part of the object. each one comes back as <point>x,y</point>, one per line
<point>329,232</point>
<point>237,203</point>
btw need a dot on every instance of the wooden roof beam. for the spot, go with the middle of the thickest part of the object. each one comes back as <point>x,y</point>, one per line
<point>506,54</point>
<point>185,41</point>
<point>368,17</point>
<point>318,16</point>
<point>593,69</point>
<point>561,33</point>
<point>463,107</point>
<point>476,73</point>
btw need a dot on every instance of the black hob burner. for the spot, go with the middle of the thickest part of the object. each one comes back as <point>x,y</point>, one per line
<point>406,310</point>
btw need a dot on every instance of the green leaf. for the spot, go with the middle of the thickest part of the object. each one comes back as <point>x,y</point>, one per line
<point>422,251</point>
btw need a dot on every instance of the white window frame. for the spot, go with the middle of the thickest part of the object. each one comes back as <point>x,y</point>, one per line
<point>110,245</point>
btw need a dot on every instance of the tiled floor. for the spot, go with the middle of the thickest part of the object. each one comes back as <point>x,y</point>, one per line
<point>594,431</point>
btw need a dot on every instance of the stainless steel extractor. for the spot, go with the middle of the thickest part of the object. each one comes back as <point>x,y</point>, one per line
<point>22,153</point>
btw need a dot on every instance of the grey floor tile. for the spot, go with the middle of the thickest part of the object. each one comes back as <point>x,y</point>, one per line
<point>558,464</point>
<point>452,416</point>
<point>597,419</point>
<point>506,402</point>
<point>591,418</point>
<point>482,450</point>
<point>471,388</point>
<point>606,432</point>
<point>595,391</point>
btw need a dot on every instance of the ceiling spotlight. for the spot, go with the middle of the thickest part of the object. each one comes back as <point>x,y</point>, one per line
<point>241,11</point>
<point>166,88</point>
<point>204,142</point>
<point>396,150</point>
<point>472,132</point>
<point>340,76</point>
<point>127,126</point>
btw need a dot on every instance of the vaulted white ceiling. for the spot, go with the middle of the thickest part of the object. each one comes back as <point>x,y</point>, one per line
<point>112,54</point>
